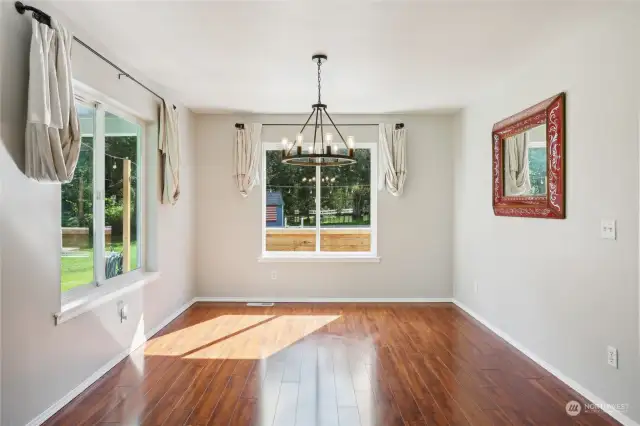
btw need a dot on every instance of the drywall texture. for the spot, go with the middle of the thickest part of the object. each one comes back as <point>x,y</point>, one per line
<point>555,285</point>
<point>42,362</point>
<point>414,230</point>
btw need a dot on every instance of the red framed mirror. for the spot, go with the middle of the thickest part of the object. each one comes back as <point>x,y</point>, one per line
<point>528,162</point>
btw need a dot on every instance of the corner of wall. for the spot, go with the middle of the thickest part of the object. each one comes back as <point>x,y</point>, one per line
<point>457,140</point>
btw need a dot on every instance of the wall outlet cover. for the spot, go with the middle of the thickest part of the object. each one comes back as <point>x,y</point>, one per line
<point>612,356</point>
<point>123,311</point>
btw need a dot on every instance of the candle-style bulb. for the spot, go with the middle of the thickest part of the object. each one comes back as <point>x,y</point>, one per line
<point>285,143</point>
<point>299,139</point>
<point>351,142</point>
<point>329,138</point>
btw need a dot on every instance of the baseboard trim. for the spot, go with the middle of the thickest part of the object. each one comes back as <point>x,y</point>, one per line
<point>326,299</point>
<point>619,416</point>
<point>44,416</point>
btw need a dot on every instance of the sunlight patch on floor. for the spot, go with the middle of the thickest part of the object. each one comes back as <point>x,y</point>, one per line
<point>237,336</point>
<point>265,339</point>
<point>191,338</point>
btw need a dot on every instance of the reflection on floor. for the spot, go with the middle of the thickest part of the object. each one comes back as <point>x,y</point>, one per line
<point>316,365</point>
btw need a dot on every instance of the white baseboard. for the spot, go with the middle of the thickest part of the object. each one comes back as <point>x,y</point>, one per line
<point>621,417</point>
<point>37,421</point>
<point>327,299</point>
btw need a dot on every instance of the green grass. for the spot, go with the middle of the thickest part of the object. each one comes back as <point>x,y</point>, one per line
<point>78,270</point>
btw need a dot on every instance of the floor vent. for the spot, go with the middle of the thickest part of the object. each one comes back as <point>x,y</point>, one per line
<point>260,304</point>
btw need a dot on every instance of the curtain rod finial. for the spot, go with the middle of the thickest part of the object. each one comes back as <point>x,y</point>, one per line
<point>239,126</point>
<point>399,126</point>
<point>20,7</point>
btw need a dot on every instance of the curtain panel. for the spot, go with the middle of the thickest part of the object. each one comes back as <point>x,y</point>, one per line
<point>169,146</point>
<point>392,168</point>
<point>516,165</point>
<point>246,161</point>
<point>52,135</point>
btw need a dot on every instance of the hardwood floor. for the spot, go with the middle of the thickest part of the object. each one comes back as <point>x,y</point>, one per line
<point>333,365</point>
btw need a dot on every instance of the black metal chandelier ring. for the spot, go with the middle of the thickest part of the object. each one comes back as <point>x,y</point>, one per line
<point>323,152</point>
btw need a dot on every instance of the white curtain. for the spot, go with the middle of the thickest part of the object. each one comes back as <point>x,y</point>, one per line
<point>52,136</point>
<point>392,159</point>
<point>247,153</point>
<point>169,146</point>
<point>516,165</point>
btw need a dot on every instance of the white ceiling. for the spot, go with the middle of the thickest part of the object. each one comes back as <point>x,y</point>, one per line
<point>391,56</point>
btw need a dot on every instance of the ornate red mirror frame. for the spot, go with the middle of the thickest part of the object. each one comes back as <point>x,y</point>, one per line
<point>551,205</point>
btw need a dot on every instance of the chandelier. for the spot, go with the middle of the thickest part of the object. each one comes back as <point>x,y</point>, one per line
<point>323,152</point>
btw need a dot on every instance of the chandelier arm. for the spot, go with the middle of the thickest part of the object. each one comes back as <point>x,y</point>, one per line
<point>313,109</point>
<point>302,130</point>
<point>315,131</point>
<point>321,132</point>
<point>335,127</point>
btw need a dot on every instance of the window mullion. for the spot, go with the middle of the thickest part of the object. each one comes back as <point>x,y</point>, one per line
<point>318,205</point>
<point>99,194</point>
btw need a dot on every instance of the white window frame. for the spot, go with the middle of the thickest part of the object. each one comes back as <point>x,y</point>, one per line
<point>317,255</point>
<point>90,295</point>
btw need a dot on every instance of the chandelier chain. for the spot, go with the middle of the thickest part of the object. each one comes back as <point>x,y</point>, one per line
<point>319,80</point>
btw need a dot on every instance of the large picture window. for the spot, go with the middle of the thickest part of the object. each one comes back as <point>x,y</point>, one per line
<point>319,211</point>
<point>101,206</point>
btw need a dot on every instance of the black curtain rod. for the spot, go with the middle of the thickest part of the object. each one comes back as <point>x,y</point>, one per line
<point>241,125</point>
<point>43,18</point>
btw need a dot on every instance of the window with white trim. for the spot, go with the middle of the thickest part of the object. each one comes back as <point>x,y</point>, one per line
<point>102,207</point>
<point>323,212</point>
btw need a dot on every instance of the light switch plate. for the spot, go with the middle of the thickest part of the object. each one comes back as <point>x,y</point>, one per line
<point>608,229</point>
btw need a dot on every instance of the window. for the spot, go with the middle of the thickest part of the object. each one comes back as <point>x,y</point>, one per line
<point>101,206</point>
<point>322,212</point>
<point>538,167</point>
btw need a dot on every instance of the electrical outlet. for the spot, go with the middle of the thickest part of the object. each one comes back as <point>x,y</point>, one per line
<point>612,356</point>
<point>608,229</point>
<point>274,275</point>
<point>123,311</point>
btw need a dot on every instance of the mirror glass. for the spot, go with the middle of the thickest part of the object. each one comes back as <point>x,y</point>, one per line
<point>525,163</point>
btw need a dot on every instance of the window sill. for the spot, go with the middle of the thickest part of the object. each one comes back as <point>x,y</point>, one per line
<point>270,258</point>
<point>92,297</point>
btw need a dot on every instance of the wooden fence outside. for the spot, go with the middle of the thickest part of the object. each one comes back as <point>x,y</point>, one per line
<point>331,239</point>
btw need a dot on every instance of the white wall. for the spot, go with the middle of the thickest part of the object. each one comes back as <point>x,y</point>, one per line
<point>554,285</point>
<point>414,231</point>
<point>42,362</point>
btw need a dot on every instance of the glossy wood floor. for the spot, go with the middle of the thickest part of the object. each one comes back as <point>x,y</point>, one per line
<point>333,365</point>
